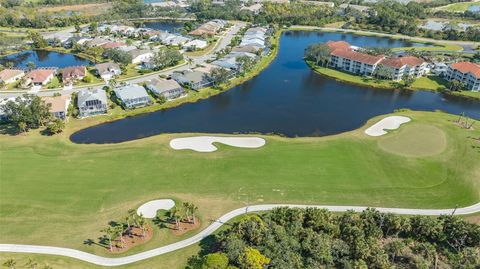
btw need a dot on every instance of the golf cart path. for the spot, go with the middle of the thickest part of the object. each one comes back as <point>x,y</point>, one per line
<point>103,261</point>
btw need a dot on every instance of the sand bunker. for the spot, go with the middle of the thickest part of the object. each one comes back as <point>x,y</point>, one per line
<point>149,209</point>
<point>205,143</point>
<point>388,123</point>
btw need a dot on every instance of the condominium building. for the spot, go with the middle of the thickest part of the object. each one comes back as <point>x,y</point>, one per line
<point>466,72</point>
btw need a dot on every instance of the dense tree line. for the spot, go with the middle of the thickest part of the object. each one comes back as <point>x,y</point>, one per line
<point>316,238</point>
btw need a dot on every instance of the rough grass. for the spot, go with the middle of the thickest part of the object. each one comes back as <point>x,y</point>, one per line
<point>414,140</point>
<point>458,7</point>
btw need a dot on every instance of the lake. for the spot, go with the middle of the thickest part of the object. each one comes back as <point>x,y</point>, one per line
<point>286,98</point>
<point>168,26</point>
<point>43,58</point>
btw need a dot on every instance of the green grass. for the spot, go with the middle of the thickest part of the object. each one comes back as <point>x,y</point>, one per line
<point>433,47</point>
<point>432,83</point>
<point>458,7</point>
<point>415,140</point>
<point>58,193</point>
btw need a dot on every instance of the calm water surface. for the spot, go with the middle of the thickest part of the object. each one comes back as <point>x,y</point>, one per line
<point>168,26</point>
<point>287,98</point>
<point>42,58</point>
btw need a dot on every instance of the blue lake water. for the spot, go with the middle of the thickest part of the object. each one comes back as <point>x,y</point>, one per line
<point>42,58</point>
<point>474,8</point>
<point>168,26</point>
<point>286,98</point>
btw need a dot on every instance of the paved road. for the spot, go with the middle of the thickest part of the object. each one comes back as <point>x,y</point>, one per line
<point>462,43</point>
<point>103,261</point>
<point>223,42</point>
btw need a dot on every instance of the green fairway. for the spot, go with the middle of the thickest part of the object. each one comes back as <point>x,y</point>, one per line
<point>458,7</point>
<point>415,140</point>
<point>57,193</point>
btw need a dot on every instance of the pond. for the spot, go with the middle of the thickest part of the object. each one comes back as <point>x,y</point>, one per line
<point>474,8</point>
<point>43,58</point>
<point>168,26</point>
<point>286,98</point>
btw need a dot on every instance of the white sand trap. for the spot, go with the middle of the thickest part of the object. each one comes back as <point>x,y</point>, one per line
<point>205,143</point>
<point>388,123</point>
<point>149,209</point>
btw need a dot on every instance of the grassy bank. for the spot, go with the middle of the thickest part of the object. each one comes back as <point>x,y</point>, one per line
<point>58,193</point>
<point>429,83</point>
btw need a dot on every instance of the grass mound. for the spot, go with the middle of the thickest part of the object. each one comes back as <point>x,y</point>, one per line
<point>415,140</point>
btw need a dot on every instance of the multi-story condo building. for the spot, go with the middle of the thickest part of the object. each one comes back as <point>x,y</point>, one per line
<point>343,57</point>
<point>405,66</point>
<point>466,72</point>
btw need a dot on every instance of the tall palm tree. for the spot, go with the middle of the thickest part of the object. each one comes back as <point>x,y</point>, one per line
<point>10,263</point>
<point>119,230</point>
<point>193,208</point>
<point>174,215</point>
<point>110,232</point>
<point>32,264</point>
<point>142,223</point>
<point>186,210</point>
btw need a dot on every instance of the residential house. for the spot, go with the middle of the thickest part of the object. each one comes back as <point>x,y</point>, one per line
<point>227,63</point>
<point>139,56</point>
<point>467,73</point>
<point>73,73</point>
<point>9,76</point>
<point>176,40</point>
<point>132,96</point>
<point>209,28</point>
<point>58,105</point>
<point>168,88</point>
<point>108,70</point>
<point>318,3</point>
<point>61,37</point>
<point>405,66</point>
<point>113,45</point>
<point>96,42</point>
<point>255,8</point>
<point>246,48</point>
<point>195,44</point>
<point>92,103</point>
<point>40,77</point>
<point>192,79</point>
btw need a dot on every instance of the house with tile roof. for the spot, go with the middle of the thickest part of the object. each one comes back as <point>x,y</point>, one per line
<point>355,62</point>
<point>466,72</point>
<point>58,105</point>
<point>9,76</point>
<point>168,88</point>
<point>405,66</point>
<point>40,77</point>
<point>73,73</point>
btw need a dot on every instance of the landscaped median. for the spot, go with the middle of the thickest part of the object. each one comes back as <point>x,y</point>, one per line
<point>85,186</point>
<point>429,83</point>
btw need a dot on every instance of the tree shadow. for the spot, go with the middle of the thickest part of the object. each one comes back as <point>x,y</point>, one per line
<point>9,129</point>
<point>209,244</point>
<point>162,223</point>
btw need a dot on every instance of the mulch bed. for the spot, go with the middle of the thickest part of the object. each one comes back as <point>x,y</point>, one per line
<point>131,239</point>
<point>185,226</point>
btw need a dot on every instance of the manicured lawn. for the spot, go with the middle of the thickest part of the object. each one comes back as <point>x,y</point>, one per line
<point>58,193</point>
<point>458,7</point>
<point>415,140</point>
<point>432,83</point>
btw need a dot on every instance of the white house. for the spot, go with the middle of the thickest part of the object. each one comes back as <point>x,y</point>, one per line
<point>108,70</point>
<point>195,44</point>
<point>9,76</point>
<point>132,96</point>
<point>405,66</point>
<point>92,103</point>
<point>139,56</point>
<point>466,72</point>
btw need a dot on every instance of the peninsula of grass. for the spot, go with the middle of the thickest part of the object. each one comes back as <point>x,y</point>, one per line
<point>429,83</point>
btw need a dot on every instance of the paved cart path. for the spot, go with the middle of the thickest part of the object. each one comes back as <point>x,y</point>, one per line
<point>98,260</point>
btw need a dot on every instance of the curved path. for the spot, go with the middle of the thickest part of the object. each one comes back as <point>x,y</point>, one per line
<point>98,260</point>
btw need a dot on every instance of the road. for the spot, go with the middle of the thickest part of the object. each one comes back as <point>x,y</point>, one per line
<point>103,261</point>
<point>222,43</point>
<point>424,39</point>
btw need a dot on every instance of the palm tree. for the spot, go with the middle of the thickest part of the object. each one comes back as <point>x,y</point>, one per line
<point>31,65</point>
<point>174,212</point>
<point>186,210</point>
<point>193,208</point>
<point>119,231</point>
<point>32,264</point>
<point>142,223</point>
<point>10,263</point>
<point>189,61</point>
<point>22,126</point>
<point>110,232</point>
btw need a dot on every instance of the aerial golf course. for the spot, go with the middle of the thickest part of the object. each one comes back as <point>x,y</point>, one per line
<point>57,193</point>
